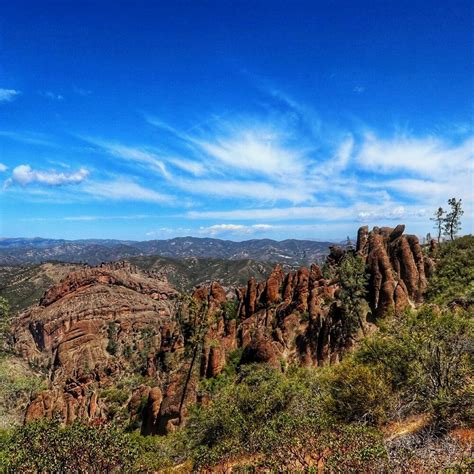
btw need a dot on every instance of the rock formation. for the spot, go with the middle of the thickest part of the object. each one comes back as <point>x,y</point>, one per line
<point>93,327</point>
<point>99,325</point>
<point>396,265</point>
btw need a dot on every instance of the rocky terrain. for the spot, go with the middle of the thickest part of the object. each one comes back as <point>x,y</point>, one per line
<point>24,285</point>
<point>100,325</point>
<point>292,252</point>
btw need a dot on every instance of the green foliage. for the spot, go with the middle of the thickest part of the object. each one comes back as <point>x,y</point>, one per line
<point>233,420</point>
<point>304,317</point>
<point>160,453</point>
<point>425,358</point>
<point>353,392</point>
<point>438,219</point>
<point>47,447</point>
<point>127,351</point>
<point>230,308</point>
<point>454,276</point>
<point>112,331</point>
<point>17,385</point>
<point>452,221</point>
<point>279,419</point>
<point>328,271</point>
<point>352,278</point>
<point>6,337</point>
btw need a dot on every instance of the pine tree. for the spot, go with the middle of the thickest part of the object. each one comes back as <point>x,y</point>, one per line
<point>439,221</point>
<point>352,278</point>
<point>452,221</point>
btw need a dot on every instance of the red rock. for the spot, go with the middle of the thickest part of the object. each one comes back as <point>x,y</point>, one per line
<point>273,286</point>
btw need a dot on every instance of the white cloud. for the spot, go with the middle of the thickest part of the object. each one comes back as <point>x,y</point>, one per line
<point>255,190</point>
<point>167,232</point>
<point>286,213</point>
<point>193,167</point>
<point>139,155</point>
<point>429,157</point>
<point>262,226</point>
<point>256,151</point>
<point>28,137</point>
<point>91,218</point>
<point>359,212</point>
<point>8,95</point>
<point>395,213</point>
<point>3,168</point>
<point>123,189</point>
<point>24,175</point>
<point>233,229</point>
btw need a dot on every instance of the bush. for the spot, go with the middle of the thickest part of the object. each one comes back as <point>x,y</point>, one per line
<point>231,423</point>
<point>45,446</point>
<point>6,336</point>
<point>454,276</point>
<point>18,383</point>
<point>160,453</point>
<point>354,392</point>
<point>425,356</point>
<point>280,421</point>
<point>352,278</point>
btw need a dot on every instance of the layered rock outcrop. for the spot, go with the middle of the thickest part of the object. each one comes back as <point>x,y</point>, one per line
<point>93,327</point>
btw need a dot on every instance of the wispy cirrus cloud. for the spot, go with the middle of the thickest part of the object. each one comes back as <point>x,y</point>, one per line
<point>139,155</point>
<point>359,212</point>
<point>258,151</point>
<point>124,189</point>
<point>258,191</point>
<point>425,156</point>
<point>8,95</point>
<point>278,168</point>
<point>30,138</point>
<point>90,218</point>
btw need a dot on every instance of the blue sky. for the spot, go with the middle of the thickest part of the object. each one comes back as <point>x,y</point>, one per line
<point>238,120</point>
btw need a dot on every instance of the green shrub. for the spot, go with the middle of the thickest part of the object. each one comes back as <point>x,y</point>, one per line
<point>454,276</point>
<point>354,392</point>
<point>47,447</point>
<point>425,356</point>
<point>352,278</point>
<point>230,308</point>
<point>6,336</point>
<point>112,331</point>
<point>159,453</point>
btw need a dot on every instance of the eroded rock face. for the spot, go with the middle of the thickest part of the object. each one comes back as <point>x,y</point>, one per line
<point>294,320</point>
<point>97,325</point>
<point>396,265</point>
<point>93,316</point>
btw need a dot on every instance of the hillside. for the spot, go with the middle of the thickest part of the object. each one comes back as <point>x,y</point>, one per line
<point>17,251</point>
<point>24,285</point>
<point>341,368</point>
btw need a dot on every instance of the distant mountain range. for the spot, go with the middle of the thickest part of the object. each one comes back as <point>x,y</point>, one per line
<point>20,251</point>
